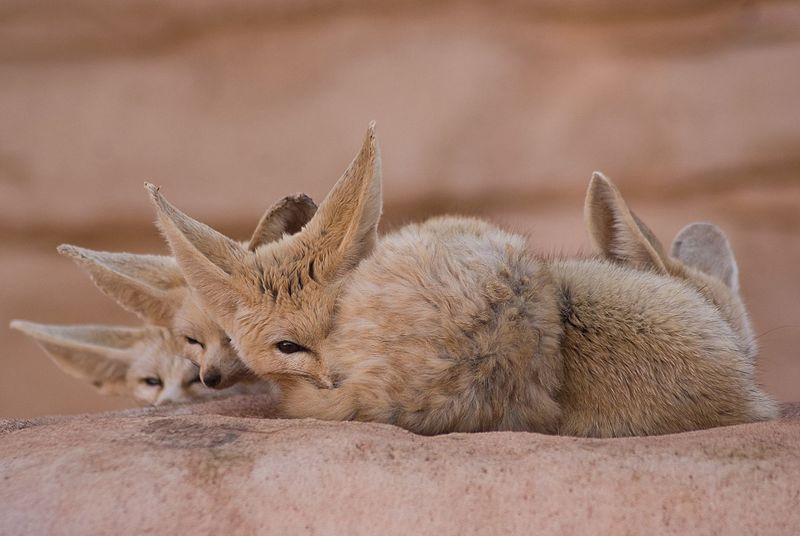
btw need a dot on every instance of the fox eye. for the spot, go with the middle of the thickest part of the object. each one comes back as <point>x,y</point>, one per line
<point>194,341</point>
<point>289,347</point>
<point>152,381</point>
<point>194,380</point>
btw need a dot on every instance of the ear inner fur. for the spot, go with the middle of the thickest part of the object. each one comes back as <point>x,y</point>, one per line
<point>141,284</point>
<point>190,242</point>
<point>705,247</point>
<point>344,229</point>
<point>616,231</point>
<point>286,216</point>
<point>100,354</point>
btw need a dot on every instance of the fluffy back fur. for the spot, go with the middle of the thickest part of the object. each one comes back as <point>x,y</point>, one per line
<point>453,325</point>
<point>153,288</point>
<point>700,254</point>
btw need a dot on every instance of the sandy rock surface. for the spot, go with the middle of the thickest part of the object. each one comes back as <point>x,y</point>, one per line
<point>219,467</point>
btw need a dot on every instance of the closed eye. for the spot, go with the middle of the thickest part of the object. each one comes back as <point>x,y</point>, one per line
<point>289,347</point>
<point>152,381</point>
<point>191,340</point>
<point>194,380</point>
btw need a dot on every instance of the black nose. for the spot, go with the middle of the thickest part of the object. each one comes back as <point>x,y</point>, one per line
<point>212,378</point>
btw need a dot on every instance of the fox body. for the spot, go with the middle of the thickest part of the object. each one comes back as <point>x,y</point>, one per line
<point>454,325</point>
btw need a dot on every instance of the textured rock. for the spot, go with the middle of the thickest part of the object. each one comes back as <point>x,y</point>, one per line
<point>216,467</point>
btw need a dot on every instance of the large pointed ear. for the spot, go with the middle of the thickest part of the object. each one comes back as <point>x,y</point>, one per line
<point>286,216</point>
<point>705,247</point>
<point>206,258</point>
<point>98,354</point>
<point>616,231</point>
<point>147,285</point>
<point>345,228</point>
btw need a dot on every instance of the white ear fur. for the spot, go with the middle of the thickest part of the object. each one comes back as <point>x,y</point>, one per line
<point>206,257</point>
<point>616,231</point>
<point>345,228</point>
<point>286,216</point>
<point>141,284</point>
<point>98,354</point>
<point>705,247</point>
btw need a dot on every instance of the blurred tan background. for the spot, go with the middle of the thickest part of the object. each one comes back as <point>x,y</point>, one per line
<point>501,109</point>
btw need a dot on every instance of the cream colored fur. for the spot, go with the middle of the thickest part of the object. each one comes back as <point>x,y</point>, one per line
<point>153,288</point>
<point>453,325</point>
<point>143,363</point>
<point>700,254</point>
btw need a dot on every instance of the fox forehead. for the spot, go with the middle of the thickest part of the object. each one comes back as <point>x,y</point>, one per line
<point>194,319</point>
<point>303,317</point>
<point>283,270</point>
<point>160,355</point>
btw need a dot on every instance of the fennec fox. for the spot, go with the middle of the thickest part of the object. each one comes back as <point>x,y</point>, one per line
<point>700,254</point>
<point>453,325</point>
<point>140,362</point>
<point>153,288</point>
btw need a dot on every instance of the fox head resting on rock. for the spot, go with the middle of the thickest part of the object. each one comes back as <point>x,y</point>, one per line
<point>454,325</point>
<point>153,288</point>
<point>140,362</point>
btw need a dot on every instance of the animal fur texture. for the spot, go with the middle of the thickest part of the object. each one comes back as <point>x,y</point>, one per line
<point>454,325</point>
<point>153,288</point>
<point>700,254</point>
<point>143,363</point>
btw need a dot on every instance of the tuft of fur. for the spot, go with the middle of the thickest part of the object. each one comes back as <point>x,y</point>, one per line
<point>453,325</point>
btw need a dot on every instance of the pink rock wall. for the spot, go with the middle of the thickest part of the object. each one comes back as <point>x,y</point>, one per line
<point>501,109</point>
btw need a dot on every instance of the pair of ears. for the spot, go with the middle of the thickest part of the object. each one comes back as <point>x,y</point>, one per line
<point>619,235</point>
<point>101,355</point>
<point>153,286</point>
<point>340,234</point>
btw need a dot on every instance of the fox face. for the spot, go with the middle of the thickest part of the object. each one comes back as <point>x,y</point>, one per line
<point>144,363</point>
<point>205,344</point>
<point>153,288</point>
<point>160,374</point>
<point>276,300</point>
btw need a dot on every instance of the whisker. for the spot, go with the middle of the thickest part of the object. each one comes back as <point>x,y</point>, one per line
<point>775,329</point>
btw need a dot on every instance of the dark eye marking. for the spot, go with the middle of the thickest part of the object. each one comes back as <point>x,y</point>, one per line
<point>289,347</point>
<point>152,381</point>
<point>194,341</point>
<point>311,270</point>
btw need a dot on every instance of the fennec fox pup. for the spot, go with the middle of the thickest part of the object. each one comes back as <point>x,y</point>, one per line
<point>700,254</point>
<point>140,362</point>
<point>453,325</point>
<point>153,288</point>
